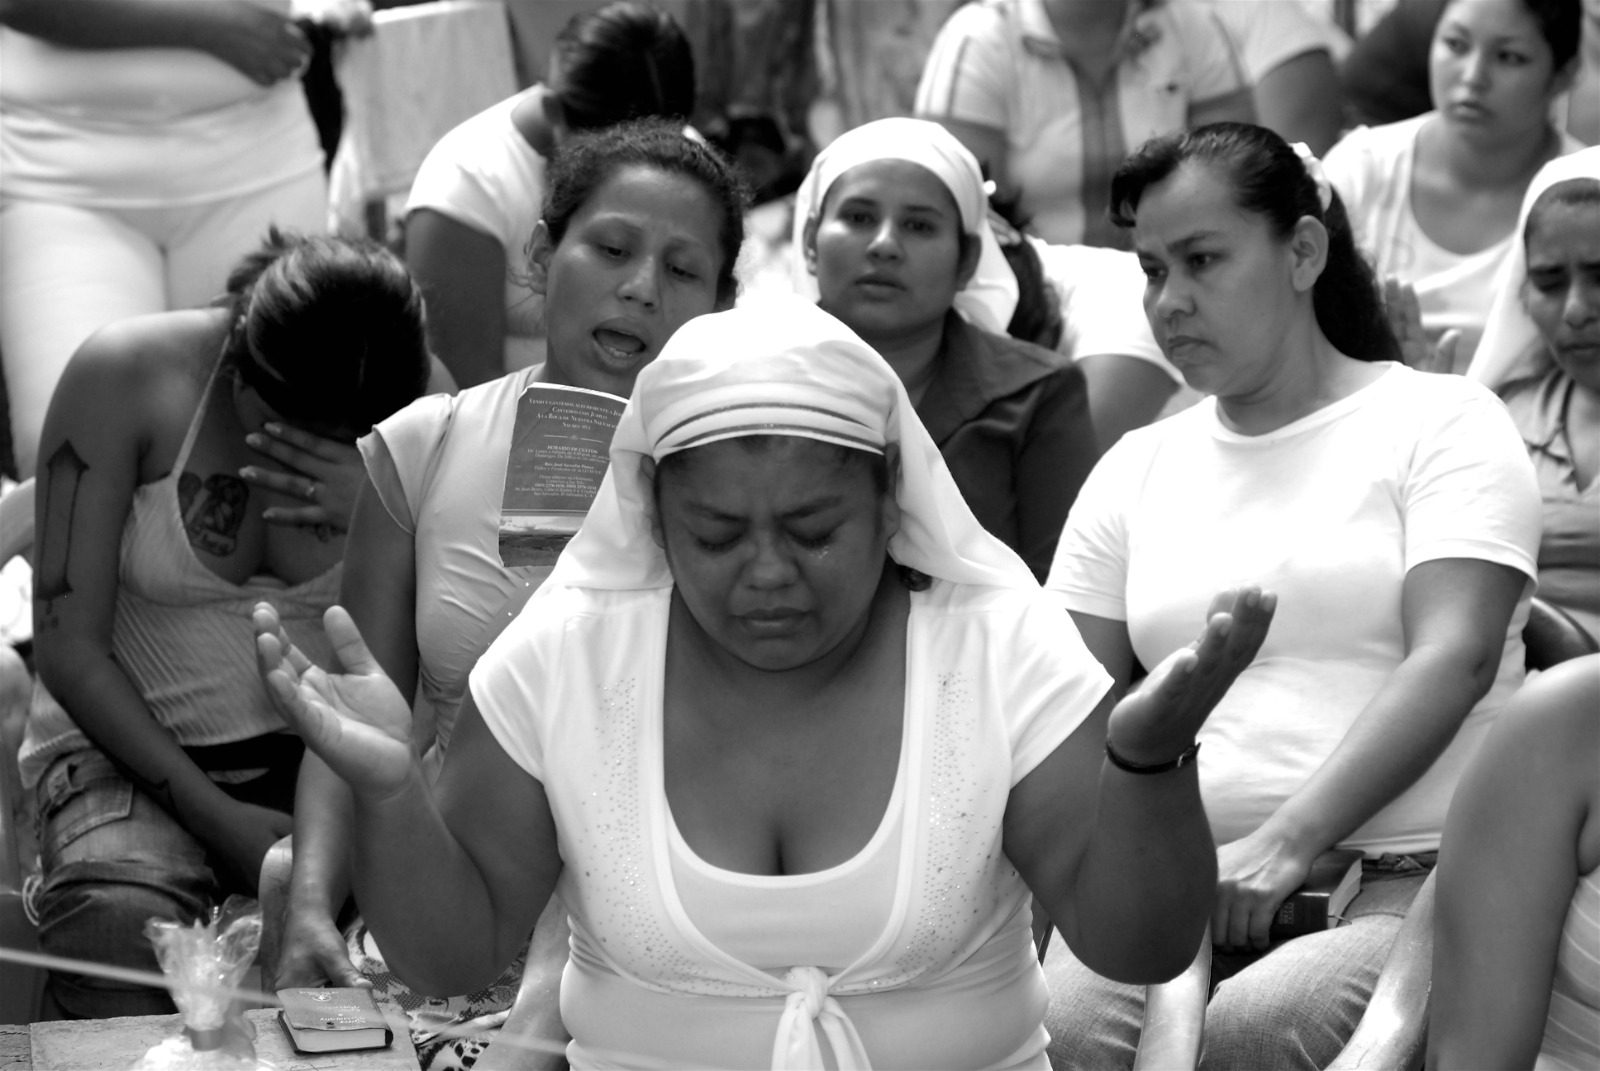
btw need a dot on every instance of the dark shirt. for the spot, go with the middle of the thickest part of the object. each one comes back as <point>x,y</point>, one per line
<point>1012,421</point>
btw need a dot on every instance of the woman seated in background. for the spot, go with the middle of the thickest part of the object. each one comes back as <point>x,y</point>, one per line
<point>1516,951</point>
<point>1395,515</point>
<point>1434,198</point>
<point>165,773</point>
<point>1541,352</point>
<point>892,225</point>
<point>795,736</point>
<point>478,194</point>
<point>1050,94</point>
<point>640,232</point>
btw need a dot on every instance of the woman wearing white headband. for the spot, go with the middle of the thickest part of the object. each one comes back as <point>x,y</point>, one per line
<point>892,223</point>
<point>811,738</point>
<point>1541,352</point>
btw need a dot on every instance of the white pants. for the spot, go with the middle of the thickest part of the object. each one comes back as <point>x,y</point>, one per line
<point>67,271</point>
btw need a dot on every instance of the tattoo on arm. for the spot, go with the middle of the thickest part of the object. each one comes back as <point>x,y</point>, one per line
<point>63,479</point>
<point>213,511</point>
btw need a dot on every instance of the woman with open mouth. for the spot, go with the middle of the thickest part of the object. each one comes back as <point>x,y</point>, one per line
<point>639,233</point>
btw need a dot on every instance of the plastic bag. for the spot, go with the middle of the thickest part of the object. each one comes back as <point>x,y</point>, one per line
<point>204,963</point>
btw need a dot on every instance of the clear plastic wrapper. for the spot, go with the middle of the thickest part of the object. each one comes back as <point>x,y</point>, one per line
<point>204,964</point>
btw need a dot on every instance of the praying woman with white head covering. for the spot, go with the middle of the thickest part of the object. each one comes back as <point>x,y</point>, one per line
<point>892,236</point>
<point>796,737</point>
<point>1541,353</point>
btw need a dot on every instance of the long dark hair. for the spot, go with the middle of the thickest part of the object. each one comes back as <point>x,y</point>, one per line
<point>328,331</point>
<point>627,60</point>
<point>1269,180</point>
<point>584,163</point>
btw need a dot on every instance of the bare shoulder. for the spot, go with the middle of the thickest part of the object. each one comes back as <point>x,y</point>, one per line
<point>140,366</point>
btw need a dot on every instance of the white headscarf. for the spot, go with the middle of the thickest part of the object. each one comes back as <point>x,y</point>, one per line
<point>777,366</point>
<point>1511,347</point>
<point>990,296</point>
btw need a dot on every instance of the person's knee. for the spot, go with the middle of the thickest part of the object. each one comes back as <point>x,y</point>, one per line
<point>95,913</point>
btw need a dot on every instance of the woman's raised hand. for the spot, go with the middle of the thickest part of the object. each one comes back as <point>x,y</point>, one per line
<point>1405,320</point>
<point>357,720</point>
<point>1157,722</point>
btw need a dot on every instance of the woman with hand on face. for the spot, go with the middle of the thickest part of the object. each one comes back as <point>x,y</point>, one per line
<point>892,223</point>
<point>1541,353</point>
<point>796,738</point>
<point>640,231</point>
<point>1434,198</point>
<point>478,194</point>
<point>165,773</point>
<point>1396,517</point>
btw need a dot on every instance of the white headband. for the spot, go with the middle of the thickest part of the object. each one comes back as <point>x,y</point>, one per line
<point>775,366</point>
<point>1511,346</point>
<point>990,296</point>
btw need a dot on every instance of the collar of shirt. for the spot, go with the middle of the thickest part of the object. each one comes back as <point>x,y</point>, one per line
<point>1140,30</point>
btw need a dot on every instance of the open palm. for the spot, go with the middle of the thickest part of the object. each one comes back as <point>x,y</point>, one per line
<point>356,720</point>
<point>1161,718</point>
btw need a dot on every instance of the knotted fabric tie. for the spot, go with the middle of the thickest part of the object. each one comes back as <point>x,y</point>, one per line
<point>810,1008</point>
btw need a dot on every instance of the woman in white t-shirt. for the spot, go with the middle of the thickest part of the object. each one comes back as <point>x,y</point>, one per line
<point>1394,514</point>
<point>1434,198</point>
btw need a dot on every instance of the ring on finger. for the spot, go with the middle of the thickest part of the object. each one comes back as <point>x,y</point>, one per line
<point>312,488</point>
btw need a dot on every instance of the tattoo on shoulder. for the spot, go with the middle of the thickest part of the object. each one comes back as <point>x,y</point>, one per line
<point>63,480</point>
<point>213,511</point>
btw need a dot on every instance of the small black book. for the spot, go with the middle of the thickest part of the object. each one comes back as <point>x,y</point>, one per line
<point>333,1019</point>
<point>1333,882</point>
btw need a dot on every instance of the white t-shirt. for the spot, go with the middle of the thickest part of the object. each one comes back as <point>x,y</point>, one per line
<point>1101,292</point>
<point>1372,169</point>
<point>1330,512</point>
<point>485,175</point>
<point>947,977</point>
<point>999,64</point>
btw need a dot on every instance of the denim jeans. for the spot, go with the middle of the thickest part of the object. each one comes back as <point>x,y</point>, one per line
<point>112,859</point>
<point>1293,1006</point>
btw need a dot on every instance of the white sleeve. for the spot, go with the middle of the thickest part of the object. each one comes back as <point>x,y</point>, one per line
<point>1102,303</point>
<point>511,681</point>
<point>401,452</point>
<point>1471,491</point>
<point>1349,166</point>
<point>970,74</point>
<point>1053,683</point>
<point>1269,35</point>
<point>457,180</point>
<point>1090,571</point>
<point>1214,65</point>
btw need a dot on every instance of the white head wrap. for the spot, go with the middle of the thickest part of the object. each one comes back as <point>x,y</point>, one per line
<point>990,297</point>
<point>776,366</point>
<point>1511,347</point>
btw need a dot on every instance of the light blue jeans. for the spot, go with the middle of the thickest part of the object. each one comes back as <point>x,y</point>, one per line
<point>1292,1007</point>
<point>112,859</point>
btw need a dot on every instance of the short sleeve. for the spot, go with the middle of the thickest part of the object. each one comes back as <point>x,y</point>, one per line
<point>1102,303</point>
<point>1090,571</point>
<point>511,682</point>
<point>455,181</point>
<point>1471,491</point>
<point>1054,683</point>
<point>1348,166</point>
<point>970,70</point>
<point>401,453</point>
<point>1214,66</point>
<point>1269,35</point>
